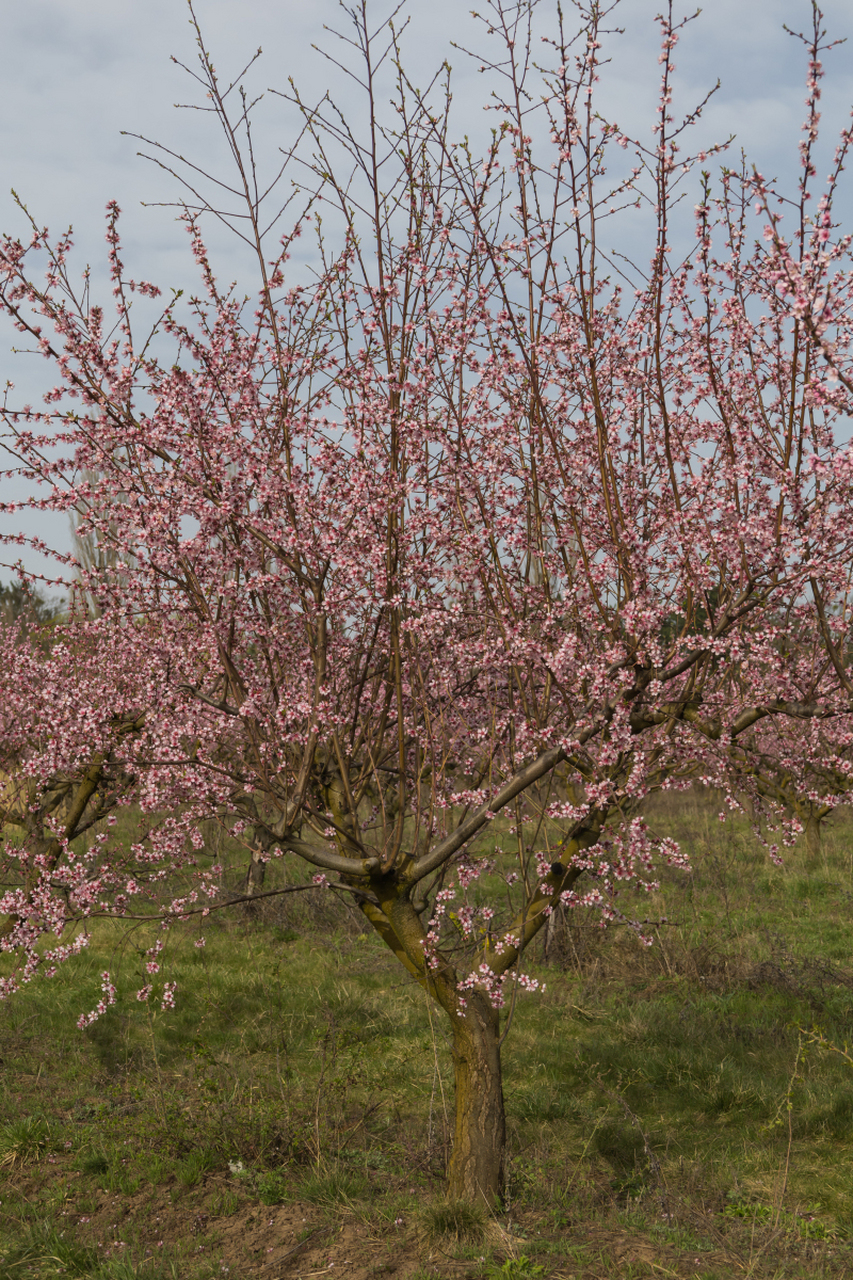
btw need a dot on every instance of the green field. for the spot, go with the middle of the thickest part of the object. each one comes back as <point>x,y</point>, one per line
<point>683,1110</point>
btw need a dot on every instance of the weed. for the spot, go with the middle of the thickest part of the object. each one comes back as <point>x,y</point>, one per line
<point>49,1249</point>
<point>272,1188</point>
<point>224,1204</point>
<point>122,1179</point>
<point>804,1224</point>
<point>148,1269</point>
<point>24,1140</point>
<point>520,1268</point>
<point>94,1163</point>
<point>454,1220</point>
<point>191,1170</point>
<point>332,1187</point>
<point>158,1169</point>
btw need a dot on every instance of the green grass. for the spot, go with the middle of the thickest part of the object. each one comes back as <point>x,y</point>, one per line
<point>24,1139</point>
<point>670,1107</point>
<point>454,1220</point>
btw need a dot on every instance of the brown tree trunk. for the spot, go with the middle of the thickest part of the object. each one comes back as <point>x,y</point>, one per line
<point>255,874</point>
<point>256,871</point>
<point>813,838</point>
<point>476,1171</point>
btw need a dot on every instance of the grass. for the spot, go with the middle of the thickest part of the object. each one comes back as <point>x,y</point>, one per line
<point>454,1220</point>
<point>679,1109</point>
<point>24,1139</point>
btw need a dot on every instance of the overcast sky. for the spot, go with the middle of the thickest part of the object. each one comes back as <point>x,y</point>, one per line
<point>78,72</point>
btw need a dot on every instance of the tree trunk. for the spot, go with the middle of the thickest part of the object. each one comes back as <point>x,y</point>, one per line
<point>257,869</point>
<point>476,1171</point>
<point>813,841</point>
<point>255,874</point>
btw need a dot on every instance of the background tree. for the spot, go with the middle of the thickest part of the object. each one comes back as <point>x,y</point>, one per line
<point>62,716</point>
<point>24,604</point>
<point>474,536</point>
<point>93,552</point>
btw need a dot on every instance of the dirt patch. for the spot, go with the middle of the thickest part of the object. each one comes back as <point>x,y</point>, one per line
<point>279,1242</point>
<point>216,1229</point>
<point>289,1241</point>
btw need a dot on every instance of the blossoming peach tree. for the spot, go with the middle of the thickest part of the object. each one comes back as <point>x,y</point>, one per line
<point>428,565</point>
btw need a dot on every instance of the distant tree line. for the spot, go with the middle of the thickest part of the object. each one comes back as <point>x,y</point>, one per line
<point>24,603</point>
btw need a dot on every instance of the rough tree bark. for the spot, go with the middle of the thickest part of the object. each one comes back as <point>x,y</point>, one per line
<point>476,1170</point>
<point>814,833</point>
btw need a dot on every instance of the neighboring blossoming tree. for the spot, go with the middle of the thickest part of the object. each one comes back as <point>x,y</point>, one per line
<point>63,718</point>
<point>478,533</point>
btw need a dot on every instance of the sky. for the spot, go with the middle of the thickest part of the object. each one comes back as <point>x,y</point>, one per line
<point>77,73</point>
